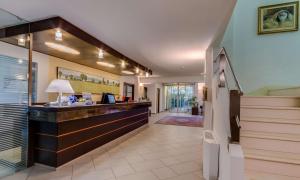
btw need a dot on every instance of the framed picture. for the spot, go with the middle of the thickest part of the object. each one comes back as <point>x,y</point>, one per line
<point>278,18</point>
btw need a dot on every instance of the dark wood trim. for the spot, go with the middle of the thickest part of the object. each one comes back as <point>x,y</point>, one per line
<point>58,22</point>
<point>91,127</point>
<point>234,112</point>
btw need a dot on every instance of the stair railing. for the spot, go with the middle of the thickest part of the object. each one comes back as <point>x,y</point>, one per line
<point>227,79</point>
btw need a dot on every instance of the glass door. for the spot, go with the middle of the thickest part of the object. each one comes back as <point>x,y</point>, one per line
<point>13,103</point>
<point>178,97</point>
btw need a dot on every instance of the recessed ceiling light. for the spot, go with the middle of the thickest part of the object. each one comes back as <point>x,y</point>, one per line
<point>106,64</point>
<point>20,61</point>
<point>123,64</point>
<point>100,54</point>
<point>58,35</point>
<point>62,48</point>
<point>127,72</point>
<point>21,41</point>
<point>137,70</point>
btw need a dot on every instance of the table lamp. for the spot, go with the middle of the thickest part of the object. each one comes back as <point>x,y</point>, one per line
<point>60,86</point>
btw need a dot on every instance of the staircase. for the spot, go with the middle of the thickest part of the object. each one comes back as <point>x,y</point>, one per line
<point>270,137</point>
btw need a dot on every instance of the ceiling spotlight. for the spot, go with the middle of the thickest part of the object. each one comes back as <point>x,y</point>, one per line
<point>147,74</point>
<point>127,72</point>
<point>106,64</point>
<point>21,41</point>
<point>20,61</point>
<point>123,64</point>
<point>137,70</point>
<point>100,54</point>
<point>62,48</point>
<point>58,35</point>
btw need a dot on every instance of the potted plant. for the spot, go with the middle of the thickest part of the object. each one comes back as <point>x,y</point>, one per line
<point>194,103</point>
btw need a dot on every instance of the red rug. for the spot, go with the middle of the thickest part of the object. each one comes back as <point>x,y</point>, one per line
<point>191,121</point>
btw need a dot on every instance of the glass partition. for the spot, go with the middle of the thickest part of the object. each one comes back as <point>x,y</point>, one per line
<point>13,101</point>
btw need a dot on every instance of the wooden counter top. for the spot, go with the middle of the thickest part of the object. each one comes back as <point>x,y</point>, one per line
<point>67,113</point>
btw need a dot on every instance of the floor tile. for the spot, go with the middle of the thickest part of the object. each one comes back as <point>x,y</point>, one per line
<point>147,165</point>
<point>122,170</point>
<point>164,173</point>
<point>99,175</point>
<point>185,167</point>
<point>139,176</point>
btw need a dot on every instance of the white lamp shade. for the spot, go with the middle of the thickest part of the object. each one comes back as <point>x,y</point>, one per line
<point>60,86</point>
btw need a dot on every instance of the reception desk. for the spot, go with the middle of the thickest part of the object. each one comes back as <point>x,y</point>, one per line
<point>58,135</point>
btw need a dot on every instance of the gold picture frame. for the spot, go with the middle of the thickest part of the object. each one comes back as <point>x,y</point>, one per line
<point>278,18</point>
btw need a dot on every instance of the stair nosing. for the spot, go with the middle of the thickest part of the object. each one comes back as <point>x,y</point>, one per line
<point>261,136</point>
<point>270,120</point>
<point>270,107</point>
<point>290,97</point>
<point>269,158</point>
<point>249,172</point>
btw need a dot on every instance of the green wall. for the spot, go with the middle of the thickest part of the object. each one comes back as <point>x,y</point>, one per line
<point>261,61</point>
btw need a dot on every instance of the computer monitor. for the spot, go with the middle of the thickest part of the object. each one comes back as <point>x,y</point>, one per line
<point>108,98</point>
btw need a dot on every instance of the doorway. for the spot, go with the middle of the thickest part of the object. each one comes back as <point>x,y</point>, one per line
<point>158,100</point>
<point>178,96</point>
<point>128,91</point>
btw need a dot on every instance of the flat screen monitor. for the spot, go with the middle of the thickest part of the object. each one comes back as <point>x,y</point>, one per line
<point>108,98</point>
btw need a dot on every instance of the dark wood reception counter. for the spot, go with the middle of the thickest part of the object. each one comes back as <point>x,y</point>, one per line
<point>60,134</point>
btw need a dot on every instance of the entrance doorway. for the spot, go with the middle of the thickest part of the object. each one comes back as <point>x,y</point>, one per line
<point>178,97</point>
<point>158,100</point>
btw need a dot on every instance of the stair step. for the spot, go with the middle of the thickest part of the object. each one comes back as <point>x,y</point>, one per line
<point>270,112</point>
<point>280,163</point>
<point>283,101</point>
<point>256,175</point>
<point>271,120</point>
<point>275,156</point>
<point>274,136</point>
<point>271,141</point>
<point>281,128</point>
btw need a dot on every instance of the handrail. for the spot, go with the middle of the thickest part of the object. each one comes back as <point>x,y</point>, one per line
<point>223,52</point>
<point>234,94</point>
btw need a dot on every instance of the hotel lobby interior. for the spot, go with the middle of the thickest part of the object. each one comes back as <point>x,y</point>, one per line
<point>149,90</point>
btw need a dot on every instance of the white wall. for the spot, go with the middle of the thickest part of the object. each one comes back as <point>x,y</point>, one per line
<point>152,95</point>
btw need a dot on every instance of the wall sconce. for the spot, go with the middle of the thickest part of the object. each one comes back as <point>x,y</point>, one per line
<point>222,79</point>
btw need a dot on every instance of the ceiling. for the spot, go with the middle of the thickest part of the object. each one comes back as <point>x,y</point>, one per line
<point>168,36</point>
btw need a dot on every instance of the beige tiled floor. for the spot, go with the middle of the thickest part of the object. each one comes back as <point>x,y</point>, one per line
<point>158,152</point>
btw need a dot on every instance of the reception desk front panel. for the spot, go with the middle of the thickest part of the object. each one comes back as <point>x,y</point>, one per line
<point>59,135</point>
